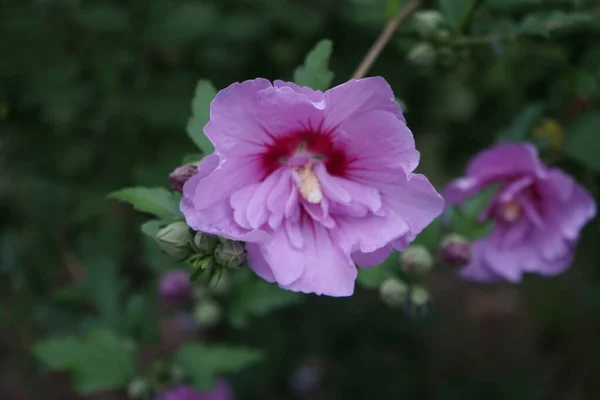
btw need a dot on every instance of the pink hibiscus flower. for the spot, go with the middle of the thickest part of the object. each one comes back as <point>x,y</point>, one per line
<point>312,182</point>
<point>538,213</point>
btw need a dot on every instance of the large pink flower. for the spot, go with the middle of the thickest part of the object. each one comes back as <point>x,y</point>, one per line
<point>312,181</point>
<point>538,213</point>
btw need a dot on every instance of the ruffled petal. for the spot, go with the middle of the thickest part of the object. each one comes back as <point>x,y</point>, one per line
<point>377,140</point>
<point>368,260</point>
<point>359,96</point>
<point>246,118</point>
<point>506,160</point>
<point>326,268</point>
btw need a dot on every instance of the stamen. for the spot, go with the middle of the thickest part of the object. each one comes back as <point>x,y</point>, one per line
<point>511,211</point>
<point>310,188</point>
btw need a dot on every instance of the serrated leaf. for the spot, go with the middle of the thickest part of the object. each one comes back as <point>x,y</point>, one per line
<point>255,297</point>
<point>151,228</point>
<point>101,361</point>
<point>583,140</point>
<point>203,363</point>
<point>157,201</point>
<point>315,73</point>
<point>105,362</point>
<point>205,93</point>
<point>457,12</point>
<point>543,23</point>
<point>59,353</point>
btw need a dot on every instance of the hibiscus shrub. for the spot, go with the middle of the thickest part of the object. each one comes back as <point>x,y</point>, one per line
<point>444,193</point>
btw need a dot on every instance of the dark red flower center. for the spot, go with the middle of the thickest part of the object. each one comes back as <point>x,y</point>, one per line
<point>317,146</point>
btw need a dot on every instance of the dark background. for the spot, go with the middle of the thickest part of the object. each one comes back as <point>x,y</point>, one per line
<point>95,95</point>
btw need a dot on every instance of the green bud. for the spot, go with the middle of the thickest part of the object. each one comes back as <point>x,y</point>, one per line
<point>222,285</point>
<point>393,292</point>
<point>207,313</point>
<point>423,55</point>
<point>175,239</point>
<point>417,260</point>
<point>427,22</point>
<point>177,373</point>
<point>205,243</point>
<point>138,388</point>
<point>419,297</point>
<point>230,254</point>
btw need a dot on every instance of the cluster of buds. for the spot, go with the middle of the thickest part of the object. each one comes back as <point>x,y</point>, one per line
<point>406,290</point>
<point>201,250</point>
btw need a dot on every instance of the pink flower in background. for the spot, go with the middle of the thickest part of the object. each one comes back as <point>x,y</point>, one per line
<point>221,391</point>
<point>175,286</point>
<point>312,182</point>
<point>538,213</point>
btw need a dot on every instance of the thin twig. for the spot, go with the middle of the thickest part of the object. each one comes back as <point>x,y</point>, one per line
<point>384,38</point>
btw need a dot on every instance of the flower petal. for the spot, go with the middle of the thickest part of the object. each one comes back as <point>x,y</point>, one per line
<point>257,262</point>
<point>359,96</point>
<point>368,260</point>
<point>377,140</point>
<point>505,160</point>
<point>326,268</point>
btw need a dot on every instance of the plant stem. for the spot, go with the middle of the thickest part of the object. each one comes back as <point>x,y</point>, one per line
<point>384,38</point>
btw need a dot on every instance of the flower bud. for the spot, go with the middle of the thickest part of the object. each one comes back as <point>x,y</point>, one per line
<point>177,374</point>
<point>175,286</point>
<point>205,243</point>
<point>455,250</point>
<point>175,239</point>
<point>230,254</point>
<point>393,292</point>
<point>419,297</point>
<point>181,175</point>
<point>427,22</point>
<point>138,389</point>
<point>423,55</point>
<point>207,313</point>
<point>417,260</point>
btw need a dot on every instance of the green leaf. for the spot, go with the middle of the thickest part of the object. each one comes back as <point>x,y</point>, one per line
<point>457,12</point>
<point>58,353</point>
<point>583,140</point>
<point>402,105</point>
<point>315,73</point>
<point>192,158</point>
<point>372,278</point>
<point>543,23</point>
<point>140,316</point>
<point>255,297</point>
<point>102,284</point>
<point>101,361</point>
<point>203,363</point>
<point>431,235</point>
<point>465,220</point>
<point>156,201</point>
<point>474,206</point>
<point>151,228</point>
<point>104,362</point>
<point>205,93</point>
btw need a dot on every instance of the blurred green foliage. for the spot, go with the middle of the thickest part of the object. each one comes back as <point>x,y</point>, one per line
<point>95,96</point>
